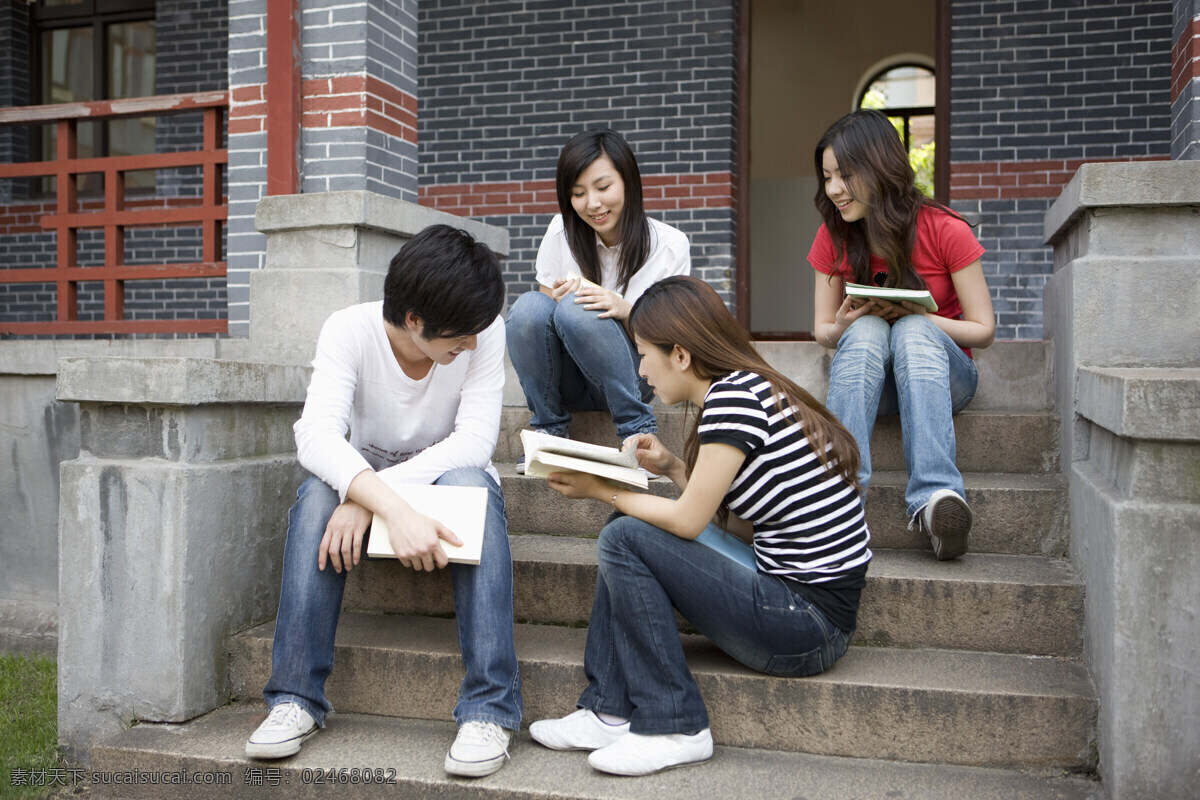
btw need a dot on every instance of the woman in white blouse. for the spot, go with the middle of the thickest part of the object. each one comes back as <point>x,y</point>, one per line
<point>568,341</point>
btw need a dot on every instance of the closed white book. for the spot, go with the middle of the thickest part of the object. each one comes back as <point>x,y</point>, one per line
<point>462,509</point>
<point>545,454</point>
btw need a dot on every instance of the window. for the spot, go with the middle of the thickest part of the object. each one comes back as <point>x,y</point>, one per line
<point>97,50</point>
<point>906,93</point>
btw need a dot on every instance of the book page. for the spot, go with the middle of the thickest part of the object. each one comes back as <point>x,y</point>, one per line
<point>462,509</point>
<point>545,454</point>
<point>534,441</point>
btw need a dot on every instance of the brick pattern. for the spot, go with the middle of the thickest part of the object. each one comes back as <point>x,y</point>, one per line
<point>1185,81</point>
<point>1036,90</point>
<point>360,90</point>
<point>503,85</point>
<point>14,90</point>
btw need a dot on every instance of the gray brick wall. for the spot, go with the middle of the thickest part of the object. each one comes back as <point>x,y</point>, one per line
<point>247,160</point>
<point>503,85</point>
<point>1049,82</point>
<point>378,39</point>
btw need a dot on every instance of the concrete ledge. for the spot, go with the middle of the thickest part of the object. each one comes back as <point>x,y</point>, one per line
<point>1123,184</point>
<point>179,381</point>
<point>41,356</point>
<point>1161,404</point>
<point>365,210</point>
<point>29,628</point>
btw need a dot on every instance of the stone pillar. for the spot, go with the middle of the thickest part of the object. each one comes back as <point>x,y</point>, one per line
<point>171,529</point>
<point>1121,310</point>
<point>1185,81</point>
<point>358,114</point>
<point>327,251</point>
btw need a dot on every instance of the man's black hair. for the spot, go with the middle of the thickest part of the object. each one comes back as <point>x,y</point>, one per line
<point>449,281</point>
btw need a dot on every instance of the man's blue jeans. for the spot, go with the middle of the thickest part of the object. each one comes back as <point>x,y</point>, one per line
<point>912,368</point>
<point>568,359</point>
<point>311,600</point>
<point>634,659</point>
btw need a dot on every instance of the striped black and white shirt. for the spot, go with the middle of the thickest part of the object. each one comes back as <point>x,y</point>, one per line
<point>809,526</point>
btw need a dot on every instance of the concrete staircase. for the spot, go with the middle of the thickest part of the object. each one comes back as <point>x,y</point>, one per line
<point>965,677</point>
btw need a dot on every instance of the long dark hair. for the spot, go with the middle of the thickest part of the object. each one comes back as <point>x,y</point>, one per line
<point>876,170</point>
<point>686,311</point>
<point>633,229</point>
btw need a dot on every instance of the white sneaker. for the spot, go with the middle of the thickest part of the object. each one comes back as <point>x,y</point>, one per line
<point>947,520</point>
<point>282,732</point>
<point>638,754</point>
<point>581,730</point>
<point>479,749</point>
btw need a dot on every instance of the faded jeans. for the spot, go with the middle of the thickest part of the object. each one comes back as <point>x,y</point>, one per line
<point>568,359</point>
<point>634,659</point>
<point>311,601</point>
<point>913,368</point>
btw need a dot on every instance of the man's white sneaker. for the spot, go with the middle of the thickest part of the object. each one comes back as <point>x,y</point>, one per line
<point>479,749</point>
<point>947,520</point>
<point>581,730</point>
<point>282,732</point>
<point>638,754</point>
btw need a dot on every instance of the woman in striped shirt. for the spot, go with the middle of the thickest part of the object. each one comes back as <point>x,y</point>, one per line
<point>771,466</point>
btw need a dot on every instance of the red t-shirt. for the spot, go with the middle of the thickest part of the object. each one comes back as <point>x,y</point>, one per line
<point>944,245</point>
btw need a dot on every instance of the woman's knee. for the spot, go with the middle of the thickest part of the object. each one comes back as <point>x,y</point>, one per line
<point>530,312</point>
<point>618,535</point>
<point>864,347</point>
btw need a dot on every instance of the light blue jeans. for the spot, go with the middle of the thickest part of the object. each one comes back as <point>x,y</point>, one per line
<point>311,600</point>
<point>912,368</point>
<point>568,359</point>
<point>634,659</point>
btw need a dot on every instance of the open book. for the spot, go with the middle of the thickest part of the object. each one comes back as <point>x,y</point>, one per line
<point>545,454</point>
<point>462,509</point>
<point>919,296</point>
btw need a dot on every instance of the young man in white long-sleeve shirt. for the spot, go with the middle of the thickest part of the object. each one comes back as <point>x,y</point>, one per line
<point>417,381</point>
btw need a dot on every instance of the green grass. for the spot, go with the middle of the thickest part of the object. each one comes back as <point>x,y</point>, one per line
<point>28,725</point>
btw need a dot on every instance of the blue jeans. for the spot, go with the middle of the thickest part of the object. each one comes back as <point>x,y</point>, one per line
<point>568,359</point>
<point>912,368</point>
<point>634,659</point>
<point>311,600</point>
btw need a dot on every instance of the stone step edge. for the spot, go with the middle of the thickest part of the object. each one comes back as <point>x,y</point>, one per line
<point>976,601</point>
<point>414,749</point>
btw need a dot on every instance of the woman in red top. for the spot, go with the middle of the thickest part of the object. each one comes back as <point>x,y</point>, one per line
<point>897,357</point>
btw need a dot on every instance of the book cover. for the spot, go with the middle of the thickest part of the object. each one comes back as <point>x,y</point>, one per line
<point>462,509</point>
<point>545,454</point>
<point>728,545</point>
<point>918,296</point>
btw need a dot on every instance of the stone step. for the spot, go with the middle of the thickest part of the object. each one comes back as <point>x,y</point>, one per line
<point>987,441</point>
<point>1013,375</point>
<point>994,603</point>
<point>408,755</point>
<point>924,705</point>
<point>1014,514</point>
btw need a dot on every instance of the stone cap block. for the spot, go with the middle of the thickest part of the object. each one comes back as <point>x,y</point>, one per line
<point>41,356</point>
<point>1130,184</point>
<point>1161,404</point>
<point>364,209</point>
<point>179,381</point>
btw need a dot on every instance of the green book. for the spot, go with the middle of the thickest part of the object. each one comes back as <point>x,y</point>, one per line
<point>918,296</point>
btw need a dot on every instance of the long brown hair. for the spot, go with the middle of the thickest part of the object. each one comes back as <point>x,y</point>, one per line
<point>686,311</point>
<point>633,229</point>
<point>876,170</point>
